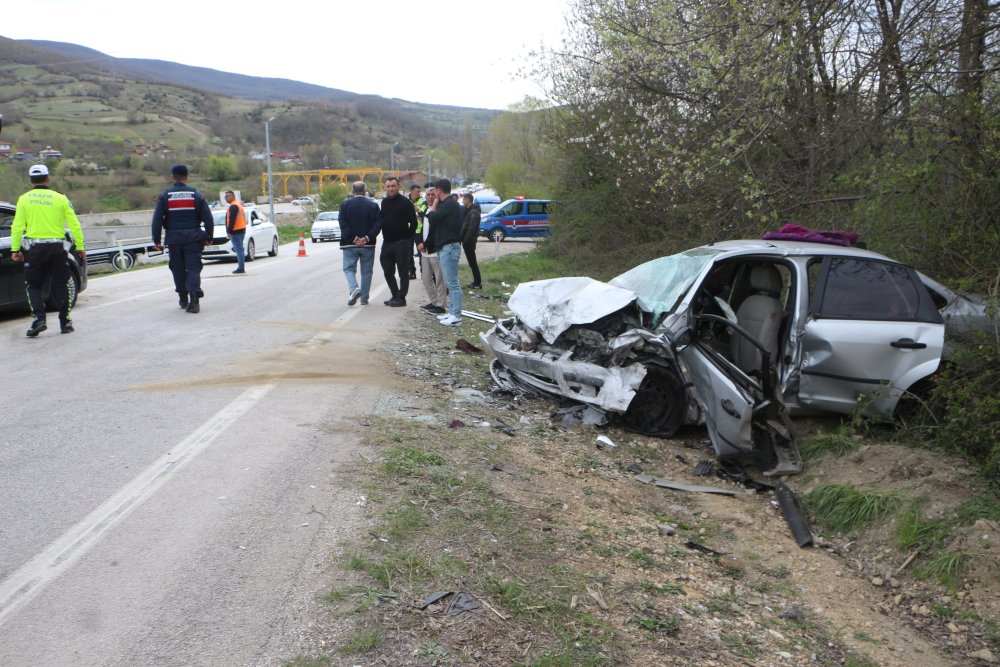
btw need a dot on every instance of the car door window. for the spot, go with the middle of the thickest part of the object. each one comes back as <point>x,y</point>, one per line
<point>861,289</point>
<point>536,208</point>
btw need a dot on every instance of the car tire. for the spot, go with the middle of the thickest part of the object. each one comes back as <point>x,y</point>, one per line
<point>314,240</point>
<point>497,235</point>
<point>273,252</point>
<point>659,405</point>
<point>251,251</point>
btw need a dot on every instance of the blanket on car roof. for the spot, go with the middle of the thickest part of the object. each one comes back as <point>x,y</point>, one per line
<point>799,233</point>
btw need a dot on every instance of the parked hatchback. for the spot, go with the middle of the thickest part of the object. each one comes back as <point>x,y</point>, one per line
<point>516,218</point>
<point>735,335</point>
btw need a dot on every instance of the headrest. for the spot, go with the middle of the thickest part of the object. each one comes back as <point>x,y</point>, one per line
<point>766,279</point>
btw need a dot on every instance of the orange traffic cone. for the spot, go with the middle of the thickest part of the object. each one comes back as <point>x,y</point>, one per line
<point>302,245</point>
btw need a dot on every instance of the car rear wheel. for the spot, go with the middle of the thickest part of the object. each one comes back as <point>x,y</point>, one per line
<point>274,247</point>
<point>251,251</point>
<point>659,405</point>
<point>497,235</point>
<point>314,239</point>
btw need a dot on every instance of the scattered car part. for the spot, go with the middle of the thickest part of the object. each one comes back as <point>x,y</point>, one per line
<point>794,516</point>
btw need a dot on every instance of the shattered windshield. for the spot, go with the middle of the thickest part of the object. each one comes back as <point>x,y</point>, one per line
<point>660,283</point>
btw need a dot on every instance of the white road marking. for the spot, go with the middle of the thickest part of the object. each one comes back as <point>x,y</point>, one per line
<point>29,580</point>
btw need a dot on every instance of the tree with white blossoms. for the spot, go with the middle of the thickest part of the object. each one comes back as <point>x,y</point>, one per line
<point>693,120</point>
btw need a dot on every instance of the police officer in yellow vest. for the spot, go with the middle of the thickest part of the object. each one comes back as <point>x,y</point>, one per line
<point>236,228</point>
<point>37,237</point>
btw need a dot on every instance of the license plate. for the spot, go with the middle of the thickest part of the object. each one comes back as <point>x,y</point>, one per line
<point>213,247</point>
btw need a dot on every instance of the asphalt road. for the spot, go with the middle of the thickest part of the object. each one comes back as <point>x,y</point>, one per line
<point>173,486</point>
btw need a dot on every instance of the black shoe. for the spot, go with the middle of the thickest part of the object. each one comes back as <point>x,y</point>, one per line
<point>475,286</point>
<point>398,302</point>
<point>183,300</point>
<point>436,310</point>
<point>240,271</point>
<point>194,307</point>
<point>37,327</point>
<point>389,301</point>
<point>66,327</point>
<point>413,275</point>
<point>364,302</point>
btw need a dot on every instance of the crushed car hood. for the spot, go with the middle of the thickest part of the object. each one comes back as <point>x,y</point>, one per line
<point>550,307</point>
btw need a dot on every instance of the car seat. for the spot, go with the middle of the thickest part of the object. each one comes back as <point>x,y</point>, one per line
<point>760,314</point>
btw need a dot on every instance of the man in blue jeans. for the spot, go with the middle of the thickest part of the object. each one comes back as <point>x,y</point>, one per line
<point>360,223</point>
<point>446,218</point>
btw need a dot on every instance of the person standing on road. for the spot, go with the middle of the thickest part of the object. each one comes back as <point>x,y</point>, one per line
<point>430,267</point>
<point>36,238</point>
<point>182,211</point>
<point>420,206</point>
<point>446,224</point>
<point>360,223</point>
<point>470,234</point>
<point>399,228</point>
<point>236,228</point>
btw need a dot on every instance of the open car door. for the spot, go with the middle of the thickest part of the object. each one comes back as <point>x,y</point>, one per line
<point>872,331</point>
<point>743,414</point>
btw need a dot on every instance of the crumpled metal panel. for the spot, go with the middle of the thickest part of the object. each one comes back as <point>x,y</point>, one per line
<point>550,307</point>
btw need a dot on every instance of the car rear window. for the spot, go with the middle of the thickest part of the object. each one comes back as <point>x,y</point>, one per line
<point>869,290</point>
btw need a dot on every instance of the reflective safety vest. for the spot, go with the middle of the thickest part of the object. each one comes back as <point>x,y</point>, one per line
<point>241,218</point>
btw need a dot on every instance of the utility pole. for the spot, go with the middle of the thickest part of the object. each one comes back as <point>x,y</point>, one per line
<point>270,181</point>
<point>392,157</point>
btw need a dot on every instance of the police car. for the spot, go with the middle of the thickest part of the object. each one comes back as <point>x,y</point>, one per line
<point>12,292</point>
<point>516,218</point>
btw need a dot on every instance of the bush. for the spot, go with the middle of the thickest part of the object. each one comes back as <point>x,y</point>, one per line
<point>967,398</point>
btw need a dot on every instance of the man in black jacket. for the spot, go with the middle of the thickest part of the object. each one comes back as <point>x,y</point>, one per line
<point>470,234</point>
<point>446,227</point>
<point>399,226</point>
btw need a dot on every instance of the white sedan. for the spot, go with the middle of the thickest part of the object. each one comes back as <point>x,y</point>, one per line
<point>261,234</point>
<point>326,227</point>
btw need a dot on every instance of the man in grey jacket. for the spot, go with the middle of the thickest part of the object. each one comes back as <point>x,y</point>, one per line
<point>446,219</point>
<point>470,234</point>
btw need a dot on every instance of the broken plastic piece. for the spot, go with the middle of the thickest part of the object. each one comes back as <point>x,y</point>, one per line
<point>432,598</point>
<point>735,473</point>
<point>703,468</point>
<point>703,549</point>
<point>693,488</point>
<point>503,428</point>
<point>606,440</point>
<point>462,602</point>
<point>794,516</point>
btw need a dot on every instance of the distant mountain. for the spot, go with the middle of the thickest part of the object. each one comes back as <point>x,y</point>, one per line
<point>92,104</point>
<point>221,83</point>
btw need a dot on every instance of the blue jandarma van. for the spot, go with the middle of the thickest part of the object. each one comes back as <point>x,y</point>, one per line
<point>516,218</point>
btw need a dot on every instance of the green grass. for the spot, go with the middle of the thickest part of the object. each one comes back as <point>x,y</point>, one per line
<point>289,233</point>
<point>843,508</point>
<point>836,443</point>
<point>913,529</point>
<point>945,567</point>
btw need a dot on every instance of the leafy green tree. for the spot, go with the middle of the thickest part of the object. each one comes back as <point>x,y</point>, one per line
<point>331,196</point>
<point>220,168</point>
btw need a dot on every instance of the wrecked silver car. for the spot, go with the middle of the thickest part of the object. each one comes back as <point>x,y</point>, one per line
<point>736,335</point>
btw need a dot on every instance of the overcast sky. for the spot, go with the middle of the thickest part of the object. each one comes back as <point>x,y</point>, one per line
<point>389,48</point>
